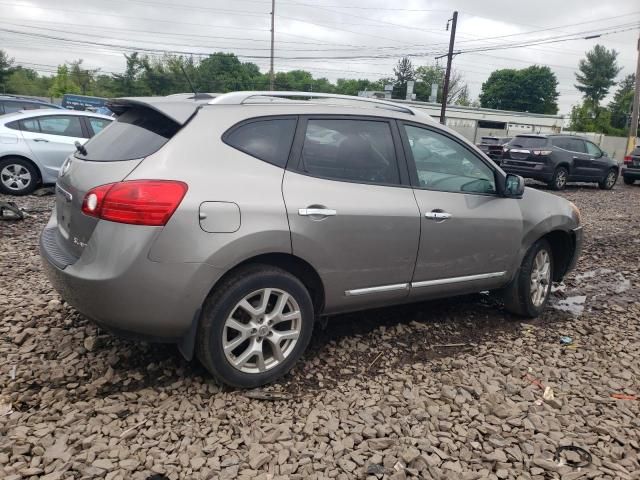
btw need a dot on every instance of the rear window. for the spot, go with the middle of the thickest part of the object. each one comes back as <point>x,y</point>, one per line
<point>137,133</point>
<point>268,140</point>
<point>528,142</point>
<point>490,140</point>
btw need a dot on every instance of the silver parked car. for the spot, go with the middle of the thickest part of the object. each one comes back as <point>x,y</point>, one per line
<point>35,143</point>
<point>228,226</point>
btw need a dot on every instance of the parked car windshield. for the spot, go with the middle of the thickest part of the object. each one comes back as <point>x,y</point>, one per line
<point>137,133</point>
<point>528,142</point>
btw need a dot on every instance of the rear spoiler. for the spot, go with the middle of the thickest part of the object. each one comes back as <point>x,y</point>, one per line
<point>180,110</point>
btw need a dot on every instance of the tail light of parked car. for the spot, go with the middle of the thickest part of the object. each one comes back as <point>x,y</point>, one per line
<point>628,159</point>
<point>137,202</point>
<point>542,153</point>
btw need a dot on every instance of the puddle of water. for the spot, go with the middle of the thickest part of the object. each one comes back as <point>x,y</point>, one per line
<point>573,305</point>
<point>593,273</point>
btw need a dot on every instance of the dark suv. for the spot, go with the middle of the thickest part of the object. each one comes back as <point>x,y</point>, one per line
<point>14,103</point>
<point>631,168</point>
<point>492,146</point>
<point>558,159</point>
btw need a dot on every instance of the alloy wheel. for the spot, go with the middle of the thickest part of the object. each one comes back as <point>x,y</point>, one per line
<point>15,177</point>
<point>262,330</point>
<point>611,180</point>
<point>540,277</point>
<point>561,179</point>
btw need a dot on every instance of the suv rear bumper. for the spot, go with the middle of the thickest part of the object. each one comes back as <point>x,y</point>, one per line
<point>115,285</point>
<point>540,171</point>
<point>631,173</point>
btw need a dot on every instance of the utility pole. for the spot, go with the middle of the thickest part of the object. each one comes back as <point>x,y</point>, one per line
<point>445,86</point>
<point>273,31</point>
<point>633,128</point>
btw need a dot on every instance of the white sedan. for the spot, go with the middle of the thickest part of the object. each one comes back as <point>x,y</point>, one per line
<point>35,143</point>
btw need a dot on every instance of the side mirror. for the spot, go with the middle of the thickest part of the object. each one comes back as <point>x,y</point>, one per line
<point>513,186</point>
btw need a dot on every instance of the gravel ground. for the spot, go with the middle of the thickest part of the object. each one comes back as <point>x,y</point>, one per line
<point>448,389</point>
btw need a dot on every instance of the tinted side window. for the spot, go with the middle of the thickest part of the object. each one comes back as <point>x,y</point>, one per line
<point>593,150</point>
<point>30,106</point>
<point>576,145</point>
<point>269,140</point>
<point>443,164</point>
<point>560,143</point>
<point>12,107</point>
<point>30,125</point>
<point>15,125</point>
<point>352,150</point>
<point>67,126</point>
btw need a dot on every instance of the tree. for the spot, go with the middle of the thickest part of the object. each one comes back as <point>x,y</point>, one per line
<point>427,75</point>
<point>82,77</point>
<point>404,72</point>
<point>62,83</point>
<point>597,74</point>
<point>620,107</point>
<point>6,64</point>
<point>532,89</point>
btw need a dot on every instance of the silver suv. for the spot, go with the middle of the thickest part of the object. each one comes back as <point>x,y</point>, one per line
<point>229,225</point>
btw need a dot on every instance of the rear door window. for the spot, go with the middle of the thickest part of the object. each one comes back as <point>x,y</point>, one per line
<point>63,125</point>
<point>30,125</point>
<point>268,140</point>
<point>576,145</point>
<point>350,150</point>
<point>11,107</point>
<point>528,142</point>
<point>560,143</point>
<point>137,133</point>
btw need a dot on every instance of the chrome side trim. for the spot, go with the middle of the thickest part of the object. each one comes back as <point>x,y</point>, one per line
<point>380,289</point>
<point>445,281</point>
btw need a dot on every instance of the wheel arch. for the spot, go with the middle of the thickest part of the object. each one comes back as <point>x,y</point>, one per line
<point>296,266</point>
<point>563,244</point>
<point>26,159</point>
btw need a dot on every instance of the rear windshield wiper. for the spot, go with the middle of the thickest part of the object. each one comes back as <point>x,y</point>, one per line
<point>80,148</point>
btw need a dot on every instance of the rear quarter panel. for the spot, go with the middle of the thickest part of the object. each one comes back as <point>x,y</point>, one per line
<point>216,172</point>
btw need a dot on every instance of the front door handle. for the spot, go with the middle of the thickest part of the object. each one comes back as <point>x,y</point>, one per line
<point>40,140</point>
<point>438,215</point>
<point>324,212</point>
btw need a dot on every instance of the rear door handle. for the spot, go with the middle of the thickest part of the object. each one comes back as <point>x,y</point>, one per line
<point>325,212</point>
<point>40,140</point>
<point>434,215</point>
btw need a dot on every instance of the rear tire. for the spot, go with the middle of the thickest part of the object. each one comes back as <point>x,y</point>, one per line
<point>528,293</point>
<point>609,180</point>
<point>254,326</point>
<point>628,180</point>
<point>559,180</point>
<point>18,176</point>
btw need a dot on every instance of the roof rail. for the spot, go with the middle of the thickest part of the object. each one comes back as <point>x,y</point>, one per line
<point>240,98</point>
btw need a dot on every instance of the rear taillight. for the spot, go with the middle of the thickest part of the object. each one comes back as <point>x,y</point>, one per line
<point>138,202</point>
<point>542,152</point>
<point>628,159</point>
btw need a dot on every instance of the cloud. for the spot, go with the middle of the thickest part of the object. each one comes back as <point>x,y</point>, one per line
<point>322,30</point>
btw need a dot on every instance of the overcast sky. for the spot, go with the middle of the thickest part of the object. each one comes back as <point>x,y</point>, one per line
<point>325,29</point>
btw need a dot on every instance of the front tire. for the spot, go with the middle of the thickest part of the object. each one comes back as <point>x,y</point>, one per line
<point>17,176</point>
<point>559,179</point>
<point>528,293</point>
<point>609,180</point>
<point>628,180</point>
<point>255,326</point>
